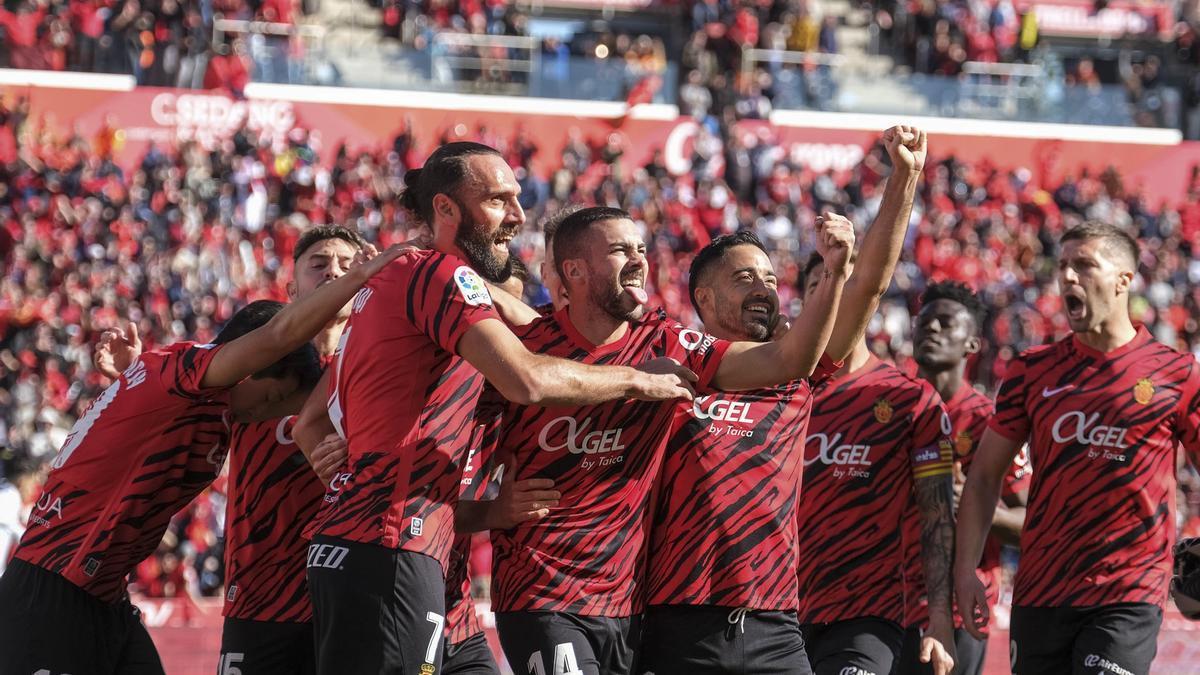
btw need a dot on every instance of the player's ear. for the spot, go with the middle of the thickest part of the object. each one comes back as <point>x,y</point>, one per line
<point>292,290</point>
<point>974,344</point>
<point>705,298</point>
<point>573,268</point>
<point>1124,281</point>
<point>445,207</point>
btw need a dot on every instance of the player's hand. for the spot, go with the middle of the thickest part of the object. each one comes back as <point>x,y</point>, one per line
<point>835,241</point>
<point>369,260</point>
<point>782,326</point>
<point>117,350</point>
<point>663,379</point>
<point>938,651</point>
<point>907,147</point>
<point>523,500</point>
<point>972,604</point>
<point>329,454</point>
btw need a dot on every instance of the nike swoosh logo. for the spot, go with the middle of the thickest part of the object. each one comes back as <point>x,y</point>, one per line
<point>1047,392</point>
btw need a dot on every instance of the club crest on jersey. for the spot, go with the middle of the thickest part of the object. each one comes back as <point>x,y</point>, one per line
<point>963,443</point>
<point>884,411</point>
<point>1143,391</point>
<point>471,285</point>
<point>428,669</point>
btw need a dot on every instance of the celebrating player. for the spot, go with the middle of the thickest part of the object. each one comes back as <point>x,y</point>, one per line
<point>721,576</point>
<point>565,586</point>
<point>946,333</point>
<point>877,440</point>
<point>143,450</point>
<point>421,338</point>
<point>1104,410</point>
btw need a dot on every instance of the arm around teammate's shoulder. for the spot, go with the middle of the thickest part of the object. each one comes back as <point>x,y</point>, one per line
<point>294,325</point>
<point>526,378</point>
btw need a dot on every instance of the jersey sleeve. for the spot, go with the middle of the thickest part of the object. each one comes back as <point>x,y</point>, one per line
<point>183,370</point>
<point>446,299</point>
<point>483,469</point>
<point>1012,419</point>
<point>1188,429</point>
<point>932,451</point>
<point>699,352</point>
<point>826,368</point>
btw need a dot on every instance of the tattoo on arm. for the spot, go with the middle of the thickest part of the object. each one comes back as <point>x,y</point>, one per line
<point>935,499</point>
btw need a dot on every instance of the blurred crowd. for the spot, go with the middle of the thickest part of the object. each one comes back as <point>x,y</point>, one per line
<point>179,241</point>
<point>159,42</point>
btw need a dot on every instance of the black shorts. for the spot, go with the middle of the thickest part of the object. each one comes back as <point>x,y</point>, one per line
<point>687,640</point>
<point>1120,638</point>
<point>49,624</point>
<point>968,660</point>
<point>472,656</point>
<point>267,648</point>
<point>556,643</point>
<point>866,646</point>
<point>375,609</point>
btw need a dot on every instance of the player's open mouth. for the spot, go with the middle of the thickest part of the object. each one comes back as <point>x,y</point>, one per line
<point>1076,307</point>
<point>759,308</point>
<point>503,240</point>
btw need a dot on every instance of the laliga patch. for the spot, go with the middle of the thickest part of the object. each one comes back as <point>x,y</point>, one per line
<point>471,285</point>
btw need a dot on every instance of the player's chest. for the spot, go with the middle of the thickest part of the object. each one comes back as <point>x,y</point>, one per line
<point>607,440</point>
<point>1101,408</point>
<point>861,438</point>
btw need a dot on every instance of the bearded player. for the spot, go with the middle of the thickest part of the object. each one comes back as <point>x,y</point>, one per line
<point>566,585</point>
<point>721,577</point>
<point>1104,410</point>
<point>150,443</point>
<point>947,333</point>
<point>878,440</point>
<point>421,339</point>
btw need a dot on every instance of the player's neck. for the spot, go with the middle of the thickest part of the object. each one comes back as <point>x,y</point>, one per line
<point>946,381</point>
<point>1109,335</point>
<point>327,340</point>
<point>857,359</point>
<point>597,326</point>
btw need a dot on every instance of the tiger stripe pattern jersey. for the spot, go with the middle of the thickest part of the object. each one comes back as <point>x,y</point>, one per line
<point>970,412</point>
<point>405,402</point>
<point>873,433</point>
<point>273,494</point>
<point>588,556</point>
<point>1103,429</point>
<point>151,442</point>
<point>725,524</point>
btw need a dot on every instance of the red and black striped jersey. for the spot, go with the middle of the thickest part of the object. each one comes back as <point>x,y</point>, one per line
<point>1103,430</point>
<point>273,494</point>
<point>462,621</point>
<point>724,529</point>
<point>970,412</point>
<point>872,433</point>
<point>405,402</point>
<point>588,556</point>
<point>151,442</point>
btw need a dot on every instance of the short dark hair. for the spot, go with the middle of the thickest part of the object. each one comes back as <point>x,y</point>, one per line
<point>519,269</point>
<point>713,252</point>
<point>814,261</point>
<point>568,236</point>
<point>323,232</point>
<point>960,293</point>
<point>1114,238</point>
<point>301,362</point>
<point>550,225</point>
<point>15,464</point>
<point>443,173</point>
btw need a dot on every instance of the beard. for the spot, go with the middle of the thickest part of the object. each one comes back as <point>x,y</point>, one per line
<point>475,243</point>
<point>614,301</point>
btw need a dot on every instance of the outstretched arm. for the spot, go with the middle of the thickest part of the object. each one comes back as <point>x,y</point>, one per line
<point>535,379</point>
<point>294,325</point>
<point>754,365</point>
<point>882,243</point>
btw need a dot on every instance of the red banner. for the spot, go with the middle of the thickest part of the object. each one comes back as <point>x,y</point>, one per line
<point>1081,18</point>
<point>147,115</point>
